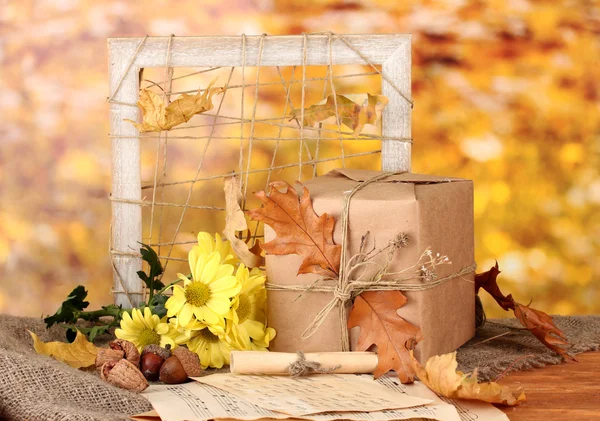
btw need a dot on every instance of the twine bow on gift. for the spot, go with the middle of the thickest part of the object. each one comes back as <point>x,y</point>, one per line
<point>346,289</point>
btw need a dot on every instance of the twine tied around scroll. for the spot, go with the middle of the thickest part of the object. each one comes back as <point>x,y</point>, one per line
<point>345,288</point>
<point>303,367</point>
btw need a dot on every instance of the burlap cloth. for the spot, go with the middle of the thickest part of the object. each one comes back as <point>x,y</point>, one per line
<point>34,388</point>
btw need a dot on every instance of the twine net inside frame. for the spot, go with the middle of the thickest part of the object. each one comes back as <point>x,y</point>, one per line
<point>249,133</point>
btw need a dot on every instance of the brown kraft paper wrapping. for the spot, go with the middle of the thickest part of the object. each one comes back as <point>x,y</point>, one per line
<point>435,212</point>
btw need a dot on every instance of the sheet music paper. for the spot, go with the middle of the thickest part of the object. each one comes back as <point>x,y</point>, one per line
<point>467,410</point>
<point>196,401</point>
<point>201,402</point>
<point>313,394</point>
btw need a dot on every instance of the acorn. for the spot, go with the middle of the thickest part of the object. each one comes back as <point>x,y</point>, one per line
<point>172,371</point>
<point>181,365</point>
<point>153,358</point>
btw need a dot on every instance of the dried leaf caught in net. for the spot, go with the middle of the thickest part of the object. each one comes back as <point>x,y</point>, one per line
<point>157,116</point>
<point>354,111</point>
<point>299,230</point>
<point>440,375</point>
<point>375,313</point>
<point>235,220</point>
<point>79,354</point>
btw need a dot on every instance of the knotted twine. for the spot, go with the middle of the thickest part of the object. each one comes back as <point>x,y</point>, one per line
<point>346,289</point>
<point>303,367</point>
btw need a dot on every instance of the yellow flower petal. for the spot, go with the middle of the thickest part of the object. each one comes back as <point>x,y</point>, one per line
<point>219,304</point>
<point>205,243</point>
<point>209,272</point>
<point>227,285</point>
<point>173,306</point>
<point>138,319</point>
<point>194,256</point>
<point>256,330</point>
<point>185,315</point>
<point>216,357</point>
<point>162,328</point>
<point>179,293</point>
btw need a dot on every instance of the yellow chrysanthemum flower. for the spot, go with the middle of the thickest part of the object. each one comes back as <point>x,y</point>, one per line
<point>144,329</point>
<point>207,297</point>
<point>211,346</point>
<point>247,318</point>
<point>207,245</point>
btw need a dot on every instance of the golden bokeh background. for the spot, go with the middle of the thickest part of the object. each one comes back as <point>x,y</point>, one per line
<point>506,92</point>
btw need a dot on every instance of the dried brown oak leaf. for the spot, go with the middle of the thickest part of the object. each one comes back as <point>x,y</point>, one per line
<point>235,221</point>
<point>440,375</point>
<point>158,117</point>
<point>299,229</point>
<point>543,328</point>
<point>536,321</point>
<point>354,111</point>
<point>375,313</point>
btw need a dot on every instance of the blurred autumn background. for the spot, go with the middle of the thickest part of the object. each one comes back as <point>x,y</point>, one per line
<point>506,92</point>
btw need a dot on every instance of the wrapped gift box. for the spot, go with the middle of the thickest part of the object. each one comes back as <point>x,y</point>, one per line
<point>435,212</point>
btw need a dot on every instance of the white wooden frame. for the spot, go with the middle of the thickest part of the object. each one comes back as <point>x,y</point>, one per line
<point>128,55</point>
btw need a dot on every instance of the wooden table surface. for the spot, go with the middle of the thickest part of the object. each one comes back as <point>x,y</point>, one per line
<point>568,391</point>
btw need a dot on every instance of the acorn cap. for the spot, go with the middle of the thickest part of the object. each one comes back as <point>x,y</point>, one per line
<point>158,350</point>
<point>189,360</point>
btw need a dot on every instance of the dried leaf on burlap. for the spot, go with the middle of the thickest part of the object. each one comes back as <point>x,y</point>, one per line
<point>353,110</point>
<point>79,354</point>
<point>235,220</point>
<point>536,321</point>
<point>542,326</point>
<point>157,116</point>
<point>299,230</point>
<point>440,375</point>
<point>375,313</point>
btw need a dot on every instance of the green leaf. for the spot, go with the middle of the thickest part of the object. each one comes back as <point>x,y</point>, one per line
<point>70,309</point>
<point>158,305</point>
<point>155,269</point>
<point>91,332</point>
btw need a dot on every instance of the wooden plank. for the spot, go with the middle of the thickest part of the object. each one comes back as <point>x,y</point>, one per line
<point>568,391</point>
<point>126,175</point>
<point>396,118</point>
<point>277,50</point>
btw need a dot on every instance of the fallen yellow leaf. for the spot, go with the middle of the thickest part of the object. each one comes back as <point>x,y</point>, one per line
<point>235,220</point>
<point>440,375</point>
<point>354,111</point>
<point>79,354</point>
<point>158,117</point>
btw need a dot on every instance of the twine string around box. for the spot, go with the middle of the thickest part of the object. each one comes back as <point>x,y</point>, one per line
<point>346,289</point>
<point>245,169</point>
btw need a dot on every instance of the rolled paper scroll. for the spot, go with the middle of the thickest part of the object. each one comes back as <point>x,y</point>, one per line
<point>278,363</point>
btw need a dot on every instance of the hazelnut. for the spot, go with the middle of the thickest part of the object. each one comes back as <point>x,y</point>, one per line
<point>105,355</point>
<point>172,371</point>
<point>123,374</point>
<point>131,352</point>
